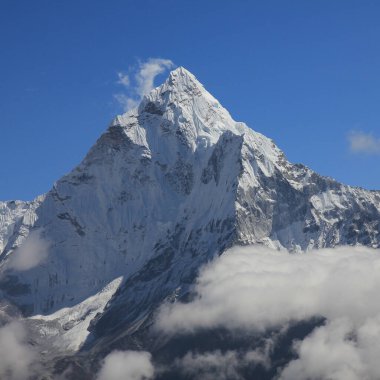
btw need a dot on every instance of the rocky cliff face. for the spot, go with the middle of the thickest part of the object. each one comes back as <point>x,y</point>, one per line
<point>164,189</point>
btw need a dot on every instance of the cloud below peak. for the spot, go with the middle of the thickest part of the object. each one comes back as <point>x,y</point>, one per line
<point>33,251</point>
<point>258,289</point>
<point>16,356</point>
<point>128,365</point>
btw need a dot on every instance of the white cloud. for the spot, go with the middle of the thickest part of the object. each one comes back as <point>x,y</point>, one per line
<point>361,142</point>
<point>255,288</point>
<point>127,365</point>
<point>32,252</point>
<point>16,357</point>
<point>148,71</point>
<point>338,351</point>
<point>141,81</point>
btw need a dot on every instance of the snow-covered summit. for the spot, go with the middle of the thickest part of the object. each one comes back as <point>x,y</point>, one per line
<point>182,106</point>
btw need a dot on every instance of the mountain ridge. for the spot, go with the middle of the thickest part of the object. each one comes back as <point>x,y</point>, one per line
<point>167,187</point>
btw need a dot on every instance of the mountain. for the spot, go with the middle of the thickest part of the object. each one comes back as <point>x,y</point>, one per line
<point>168,186</point>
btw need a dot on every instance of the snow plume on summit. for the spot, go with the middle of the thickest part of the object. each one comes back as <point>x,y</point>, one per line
<point>139,82</point>
<point>256,289</point>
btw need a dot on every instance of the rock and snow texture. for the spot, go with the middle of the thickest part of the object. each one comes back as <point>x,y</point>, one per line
<point>15,218</point>
<point>67,329</point>
<point>168,186</point>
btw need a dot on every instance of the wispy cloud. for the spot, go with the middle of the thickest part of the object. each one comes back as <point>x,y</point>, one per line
<point>131,365</point>
<point>220,365</point>
<point>256,289</point>
<point>32,252</point>
<point>123,79</point>
<point>140,81</point>
<point>364,143</point>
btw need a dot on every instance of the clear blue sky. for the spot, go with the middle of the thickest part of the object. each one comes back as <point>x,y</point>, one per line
<point>304,73</point>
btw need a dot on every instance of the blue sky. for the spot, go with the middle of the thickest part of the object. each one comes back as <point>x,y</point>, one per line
<point>305,73</point>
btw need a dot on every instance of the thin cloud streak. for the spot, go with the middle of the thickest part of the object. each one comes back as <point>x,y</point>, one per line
<point>221,365</point>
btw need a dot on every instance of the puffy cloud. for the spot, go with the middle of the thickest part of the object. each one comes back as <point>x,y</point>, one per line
<point>338,351</point>
<point>32,252</point>
<point>127,365</point>
<point>257,289</point>
<point>361,142</point>
<point>16,357</point>
<point>141,81</point>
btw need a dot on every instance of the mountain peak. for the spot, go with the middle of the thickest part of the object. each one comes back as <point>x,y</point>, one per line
<point>181,76</point>
<point>181,79</point>
<point>183,107</point>
<point>181,72</point>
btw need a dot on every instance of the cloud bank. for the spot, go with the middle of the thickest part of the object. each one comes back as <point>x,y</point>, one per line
<point>127,365</point>
<point>255,288</point>
<point>16,357</point>
<point>338,351</point>
<point>365,143</point>
<point>141,81</point>
<point>32,252</point>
